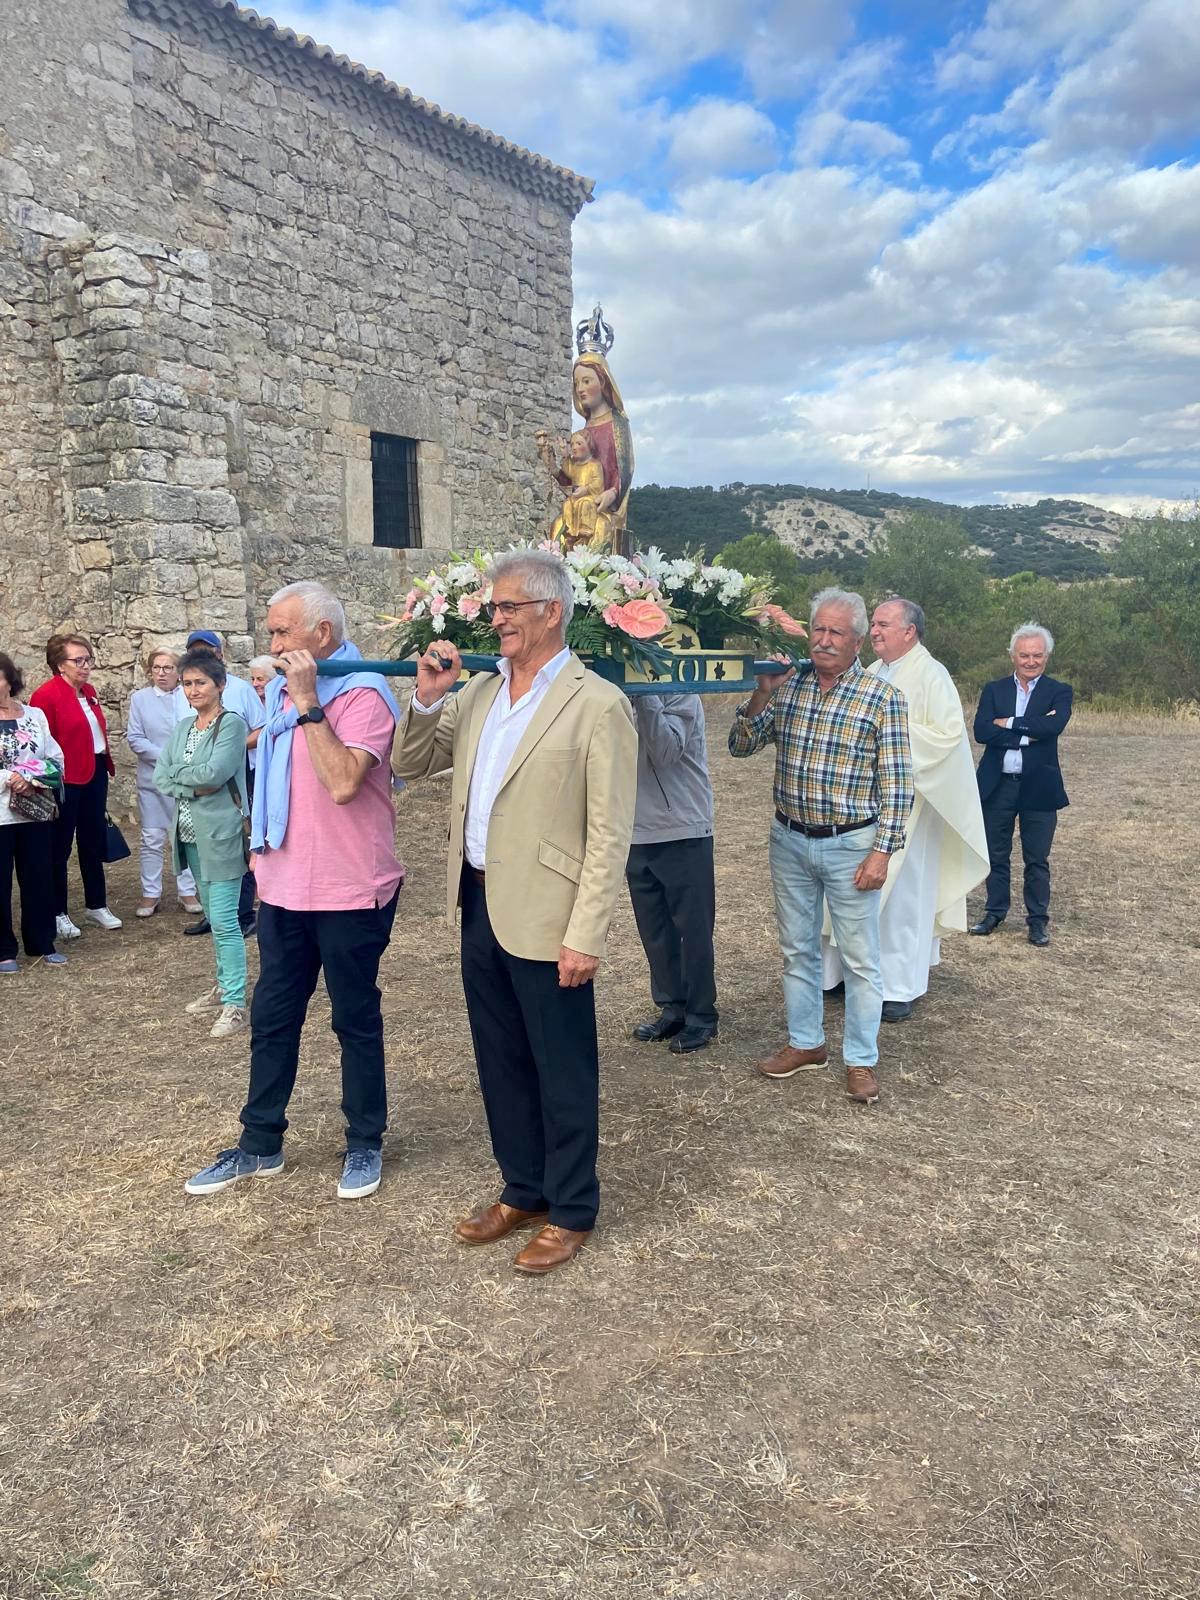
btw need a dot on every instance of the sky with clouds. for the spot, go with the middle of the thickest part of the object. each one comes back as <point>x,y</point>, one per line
<point>946,247</point>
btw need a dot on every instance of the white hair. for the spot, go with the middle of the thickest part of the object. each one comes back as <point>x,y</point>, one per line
<point>263,664</point>
<point>543,574</point>
<point>1032,630</point>
<point>911,614</point>
<point>849,601</point>
<point>318,605</point>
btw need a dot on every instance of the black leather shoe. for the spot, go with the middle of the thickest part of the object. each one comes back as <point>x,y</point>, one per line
<point>897,1010</point>
<point>689,1039</point>
<point>987,924</point>
<point>1039,936</point>
<point>663,1027</point>
<point>201,925</point>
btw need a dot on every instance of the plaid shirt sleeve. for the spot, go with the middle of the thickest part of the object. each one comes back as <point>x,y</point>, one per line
<point>894,773</point>
<point>749,734</point>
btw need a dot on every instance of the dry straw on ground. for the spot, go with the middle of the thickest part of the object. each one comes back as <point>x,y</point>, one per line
<point>946,1348</point>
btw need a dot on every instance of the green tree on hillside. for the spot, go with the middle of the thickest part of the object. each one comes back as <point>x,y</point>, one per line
<point>1162,556</point>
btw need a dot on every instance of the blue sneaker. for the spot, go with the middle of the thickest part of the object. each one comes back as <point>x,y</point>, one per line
<point>231,1165</point>
<point>361,1172</point>
<point>54,959</point>
<point>9,965</point>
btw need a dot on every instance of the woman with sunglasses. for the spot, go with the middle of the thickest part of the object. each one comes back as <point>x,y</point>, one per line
<point>72,709</point>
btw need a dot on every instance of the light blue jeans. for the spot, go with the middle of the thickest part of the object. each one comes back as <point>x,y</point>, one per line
<point>806,873</point>
<point>220,902</point>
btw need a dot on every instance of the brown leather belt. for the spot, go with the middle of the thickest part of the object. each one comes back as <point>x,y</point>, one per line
<point>477,873</point>
<point>830,831</point>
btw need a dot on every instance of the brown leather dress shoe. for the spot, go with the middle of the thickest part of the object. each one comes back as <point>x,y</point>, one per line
<point>787,1062</point>
<point>497,1222</point>
<point>862,1085</point>
<point>552,1248</point>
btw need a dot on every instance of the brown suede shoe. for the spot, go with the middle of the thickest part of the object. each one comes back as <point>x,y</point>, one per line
<point>787,1062</point>
<point>862,1085</point>
<point>497,1222</point>
<point>552,1248</point>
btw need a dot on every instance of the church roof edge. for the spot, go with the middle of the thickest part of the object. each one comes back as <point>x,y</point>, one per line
<point>529,171</point>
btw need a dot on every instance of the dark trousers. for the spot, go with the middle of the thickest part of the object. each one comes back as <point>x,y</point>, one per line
<point>674,900</point>
<point>295,947</point>
<point>81,821</point>
<point>30,847</point>
<point>1001,809</point>
<point>539,1070</point>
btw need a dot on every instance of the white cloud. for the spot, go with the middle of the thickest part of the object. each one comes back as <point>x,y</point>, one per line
<point>720,136</point>
<point>830,134</point>
<point>1018,34</point>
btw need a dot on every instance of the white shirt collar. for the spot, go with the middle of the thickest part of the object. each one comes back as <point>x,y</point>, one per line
<point>545,674</point>
<point>1027,689</point>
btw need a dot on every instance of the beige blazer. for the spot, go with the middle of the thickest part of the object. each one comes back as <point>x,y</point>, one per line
<point>559,833</point>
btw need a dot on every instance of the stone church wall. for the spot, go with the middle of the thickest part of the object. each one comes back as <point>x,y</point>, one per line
<point>225,259</point>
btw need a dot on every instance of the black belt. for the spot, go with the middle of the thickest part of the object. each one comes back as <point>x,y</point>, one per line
<point>828,831</point>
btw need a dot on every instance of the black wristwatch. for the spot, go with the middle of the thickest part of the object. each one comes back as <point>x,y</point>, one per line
<point>315,715</point>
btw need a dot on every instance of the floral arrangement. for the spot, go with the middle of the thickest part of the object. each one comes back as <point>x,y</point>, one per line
<point>625,607</point>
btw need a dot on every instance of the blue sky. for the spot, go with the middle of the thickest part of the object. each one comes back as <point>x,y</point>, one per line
<point>954,247</point>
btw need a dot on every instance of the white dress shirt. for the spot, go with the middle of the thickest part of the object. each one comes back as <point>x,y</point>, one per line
<point>502,733</point>
<point>1013,760</point>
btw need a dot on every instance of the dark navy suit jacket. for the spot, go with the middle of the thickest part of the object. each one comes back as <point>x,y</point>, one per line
<point>1047,714</point>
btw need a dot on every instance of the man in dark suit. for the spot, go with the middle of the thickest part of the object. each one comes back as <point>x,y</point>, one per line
<point>1019,722</point>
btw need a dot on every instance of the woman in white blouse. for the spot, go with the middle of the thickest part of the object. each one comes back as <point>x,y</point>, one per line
<point>153,712</point>
<point>25,843</point>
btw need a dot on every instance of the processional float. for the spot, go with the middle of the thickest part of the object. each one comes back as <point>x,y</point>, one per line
<point>646,623</point>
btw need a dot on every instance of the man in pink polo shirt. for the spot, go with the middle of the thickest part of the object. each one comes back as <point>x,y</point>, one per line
<point>323,843</point>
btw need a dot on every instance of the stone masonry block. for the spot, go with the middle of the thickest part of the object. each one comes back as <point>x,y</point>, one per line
<point>99,266</point>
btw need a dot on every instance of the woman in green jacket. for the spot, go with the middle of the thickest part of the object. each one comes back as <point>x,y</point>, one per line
<point>204,768</point>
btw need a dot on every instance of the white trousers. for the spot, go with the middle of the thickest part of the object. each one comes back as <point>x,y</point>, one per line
<point>150,860</point>
<point>907,947</point>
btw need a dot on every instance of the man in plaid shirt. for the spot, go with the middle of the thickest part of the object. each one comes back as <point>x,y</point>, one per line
<point>843,791</point>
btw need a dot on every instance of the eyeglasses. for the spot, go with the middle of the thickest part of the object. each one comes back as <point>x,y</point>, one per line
<point>80,661</point>
<point>507,609</point>
<point>165,666</point>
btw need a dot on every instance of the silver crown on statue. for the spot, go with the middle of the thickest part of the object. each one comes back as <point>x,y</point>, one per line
<point>593,336</point>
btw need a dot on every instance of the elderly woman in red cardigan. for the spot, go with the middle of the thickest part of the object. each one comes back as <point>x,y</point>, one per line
<point>72,708</point>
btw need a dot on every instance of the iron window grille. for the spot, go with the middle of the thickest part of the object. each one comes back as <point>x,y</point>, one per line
<point>396,501</point>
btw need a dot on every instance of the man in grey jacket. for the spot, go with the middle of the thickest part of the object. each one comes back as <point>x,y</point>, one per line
<point>670,869</point>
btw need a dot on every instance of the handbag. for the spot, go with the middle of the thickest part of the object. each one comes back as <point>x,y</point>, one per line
<point>115,848</point>
<point>36,805</point>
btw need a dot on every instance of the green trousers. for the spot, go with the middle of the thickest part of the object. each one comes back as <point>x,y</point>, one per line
<point>220,902</point>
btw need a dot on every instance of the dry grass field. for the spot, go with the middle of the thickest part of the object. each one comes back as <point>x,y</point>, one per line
<point>948,1347</point>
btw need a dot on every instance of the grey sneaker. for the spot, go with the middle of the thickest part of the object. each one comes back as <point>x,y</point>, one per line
<point>231,1165</point>
<point>210,1000</point>
<point>232,1020</point>
<point>361,1172</point>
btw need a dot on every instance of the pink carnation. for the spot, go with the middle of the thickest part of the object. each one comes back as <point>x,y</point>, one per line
<point>631,582</point>
<point>468,606</point>
<point>777,617</point>
<point>640,619</point>
<point>438,605</point>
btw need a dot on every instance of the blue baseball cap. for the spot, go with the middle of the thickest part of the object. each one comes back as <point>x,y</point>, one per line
<point>204,636</point>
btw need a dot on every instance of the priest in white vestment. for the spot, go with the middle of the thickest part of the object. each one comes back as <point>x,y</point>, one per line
<point>925,895</point>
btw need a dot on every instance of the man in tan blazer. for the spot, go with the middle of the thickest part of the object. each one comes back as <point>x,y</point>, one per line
<point>541,813</point>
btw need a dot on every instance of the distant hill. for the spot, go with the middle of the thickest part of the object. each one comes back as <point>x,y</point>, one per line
<point>828,527</point>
